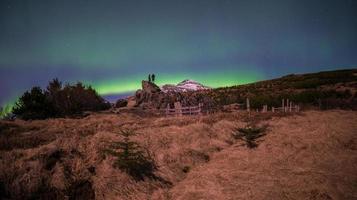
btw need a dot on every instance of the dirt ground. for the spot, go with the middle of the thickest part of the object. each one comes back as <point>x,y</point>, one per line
<point>310,155</point>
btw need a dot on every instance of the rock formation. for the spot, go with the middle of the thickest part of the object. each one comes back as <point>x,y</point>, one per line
<point>149,87</point>
<point>151,96</point>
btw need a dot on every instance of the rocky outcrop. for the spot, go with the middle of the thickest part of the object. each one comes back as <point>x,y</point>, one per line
<point>131,102</point>
<point>150,96</point>
<point>150,87</point>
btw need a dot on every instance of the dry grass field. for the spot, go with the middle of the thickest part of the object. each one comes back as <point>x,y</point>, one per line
<point>309,155</point>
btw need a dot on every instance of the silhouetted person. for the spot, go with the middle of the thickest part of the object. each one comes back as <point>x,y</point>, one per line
<point>153,77</point>
<point>149,77</point>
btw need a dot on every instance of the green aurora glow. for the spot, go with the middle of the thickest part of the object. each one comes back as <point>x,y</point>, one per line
<point>118,86</point>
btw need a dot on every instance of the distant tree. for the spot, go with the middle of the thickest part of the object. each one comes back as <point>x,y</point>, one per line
<point>75,99</point>
<point>53,93</point>
<point>153,77</point>
<point>149,77</point>
<point>33,105</point>
<point>54,86</point>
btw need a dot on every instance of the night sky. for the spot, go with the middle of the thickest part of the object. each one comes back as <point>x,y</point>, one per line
<point>112,45</point>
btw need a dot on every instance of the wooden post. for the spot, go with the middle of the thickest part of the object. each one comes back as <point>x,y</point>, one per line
<point>178,109</point>
<point>199,108</point>
<point>167,109</point>
<point>272,109</point>
<point>248,105</point>
<point>291,105</point>
<point>265,108</point>
<point>282,105</point>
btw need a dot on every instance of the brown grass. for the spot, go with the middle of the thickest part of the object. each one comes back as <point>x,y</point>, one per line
<point>306,156</point>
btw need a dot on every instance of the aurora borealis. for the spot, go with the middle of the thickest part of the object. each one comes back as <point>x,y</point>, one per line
<point>112,45</point>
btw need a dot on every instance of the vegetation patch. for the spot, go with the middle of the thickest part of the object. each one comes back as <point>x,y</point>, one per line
<point>45,191</point>
<point>198,156</point>
<point>51,159</point>
<point>7,127</point>
<point>81,189</point>
<point>186,169</point>
<point>22,137</point>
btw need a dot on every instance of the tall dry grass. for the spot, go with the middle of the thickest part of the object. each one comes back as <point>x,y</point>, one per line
<point>195,155</point>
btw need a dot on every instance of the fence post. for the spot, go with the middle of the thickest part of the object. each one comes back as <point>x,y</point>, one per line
<point>199,108</point>
<point>282,104</point>
<point>264,108</point>
<point>178,109</point>
<point>291,105</point>
<point>248,105</point>
<point>167,109</point>
<point>272,109</point>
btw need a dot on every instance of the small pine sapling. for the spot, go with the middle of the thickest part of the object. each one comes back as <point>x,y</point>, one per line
<point>249,135</point>
<point>131,158</point>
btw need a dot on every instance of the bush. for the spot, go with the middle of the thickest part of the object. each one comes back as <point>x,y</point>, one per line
<point>58,101</point>
<point>186,169</point>
<point>121,103</point>
<point>131,158</point>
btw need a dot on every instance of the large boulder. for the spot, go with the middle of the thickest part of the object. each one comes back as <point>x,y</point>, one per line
<point>150,87</point>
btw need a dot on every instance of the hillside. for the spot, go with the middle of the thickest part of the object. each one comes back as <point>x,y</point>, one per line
<point>311,155</point>
<point>328,89</point>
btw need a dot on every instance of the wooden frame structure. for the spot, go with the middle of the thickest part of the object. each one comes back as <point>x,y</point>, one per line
<point>179,110</point>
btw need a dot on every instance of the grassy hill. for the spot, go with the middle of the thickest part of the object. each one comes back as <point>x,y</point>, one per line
<point>329,89</point>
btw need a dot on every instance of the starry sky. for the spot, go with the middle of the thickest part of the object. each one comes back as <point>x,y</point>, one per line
<point>112,45</point>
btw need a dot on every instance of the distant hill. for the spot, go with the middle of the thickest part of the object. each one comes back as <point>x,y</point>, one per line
<point>329,89</point>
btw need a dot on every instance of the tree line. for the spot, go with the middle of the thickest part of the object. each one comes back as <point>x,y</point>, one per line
<point>58,101</point>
